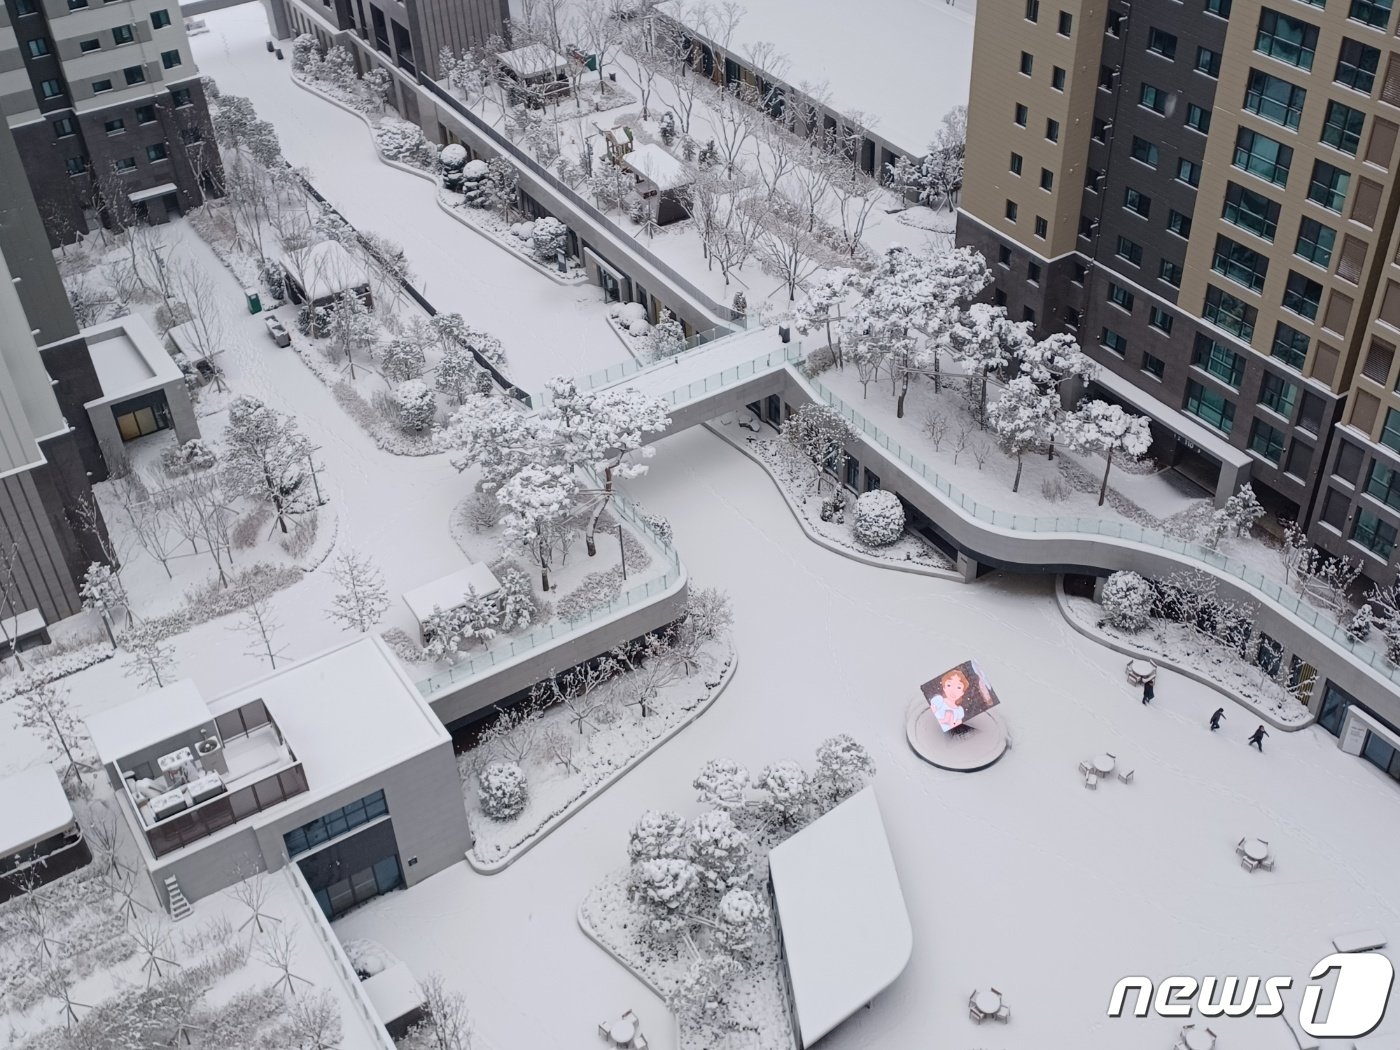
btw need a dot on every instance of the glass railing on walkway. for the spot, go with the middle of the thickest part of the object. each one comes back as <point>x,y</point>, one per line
<point>1271,589</point>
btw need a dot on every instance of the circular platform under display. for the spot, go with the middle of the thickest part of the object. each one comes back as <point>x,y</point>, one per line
<point>974,745</point>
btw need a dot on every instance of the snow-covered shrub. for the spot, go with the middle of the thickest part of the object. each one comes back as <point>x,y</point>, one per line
<point>667,339</point>
<point>1127,601</point>
<point>741,916</point>
<point>248,529</point>
<point>594,591</point>
<point>404,142</point>
<point>636,210</point>
<point>305,53</point>
<point>843,768</point>
<point>1361,625</point>
<point>722,782</point>
<point>879,519</point>
<point>475,191</point>
<point>547,238</point>
<point>741,303</point>
<point>482,512</point>
<point>404,647</point>
<point>502,790</point>
<point>516,600</point>
<point>1236,518</point>
<point>668,128</point>
<point>452,159</point>
<point>656,834</point>
<point>789,791</point>
<point>337,68</point>
<point>658,525</point>
<point>177,460</point>
<point>402,359</point>
<point>665,888</point>
<point>818,361</point>
<point>720,850</point>
<point>417,407</point>
<point>302,538</point>
<point>834,507</point>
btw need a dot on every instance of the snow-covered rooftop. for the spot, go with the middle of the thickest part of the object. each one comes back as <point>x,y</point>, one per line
<point>128,358</point>
<point>903,65</point>
<point>325,269</point>
<point>447,592</point>
<point>532,60</point>
<point>652,162</point>
<point>393,992</point>
<point>152,717</point>
<point>846,931</point>
<point>32,807</point>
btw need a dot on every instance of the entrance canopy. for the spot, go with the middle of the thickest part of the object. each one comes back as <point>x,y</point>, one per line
<point>844,924</point>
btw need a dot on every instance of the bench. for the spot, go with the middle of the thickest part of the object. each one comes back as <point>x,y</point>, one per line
<point>1359,941</point>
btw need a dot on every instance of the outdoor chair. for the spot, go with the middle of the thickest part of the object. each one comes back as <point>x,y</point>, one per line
<point>972,1011</point>
<point>1126,777</point>
<point>604,1032</point>
<point>628,1015</point>
<point>1247,864</point>
<point>1091,781</point>
<point>639,1042</point>
<point>1084,769</point>
<point>1004,1014</point>
<point>1239,848</point>
<point>1267,863</point>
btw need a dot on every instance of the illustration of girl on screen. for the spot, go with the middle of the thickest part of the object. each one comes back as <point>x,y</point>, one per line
<point>946,700</point>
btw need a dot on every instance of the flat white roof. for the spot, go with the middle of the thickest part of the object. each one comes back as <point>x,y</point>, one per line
<point>448,591</point>
<point>845,927</point>
<point>326,269</point>
<point>152,717</point>
<point>128,359</point>
<point>393,992</point>
<point>346,713</point>
<point>652,162</point>
<point>152,191</point>
<point>532,60</point>
<point>32,807</point>
<point>186,341</point>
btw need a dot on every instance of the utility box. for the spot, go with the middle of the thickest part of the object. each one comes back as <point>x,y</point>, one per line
<point>254,301</point>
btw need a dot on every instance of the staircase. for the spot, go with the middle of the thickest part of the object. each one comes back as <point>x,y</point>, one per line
<point>180,908</point>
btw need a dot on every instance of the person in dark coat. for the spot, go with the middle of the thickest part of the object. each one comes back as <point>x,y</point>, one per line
<point>1148,691</point>
<point>1217,718</point>
<point>1257,738</point>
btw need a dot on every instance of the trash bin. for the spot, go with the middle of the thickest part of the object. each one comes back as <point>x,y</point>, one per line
<point>254,301</point>
<point>785,333</point>
<point>279,54</point>
<point>269,47</point>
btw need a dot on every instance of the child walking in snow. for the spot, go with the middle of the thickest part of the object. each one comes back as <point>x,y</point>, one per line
<point>1148,691</point>
<point>1217,718</point>
<point>1257,738</point>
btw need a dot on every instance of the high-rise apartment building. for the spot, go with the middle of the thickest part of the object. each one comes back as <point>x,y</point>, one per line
<point>1203,192</point>
<point>107,110</point>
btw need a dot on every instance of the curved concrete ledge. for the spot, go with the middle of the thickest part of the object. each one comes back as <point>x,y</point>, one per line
<point>592,935</point>
<point>543,831</point>
<point>980,746</point>
<point>820,540</point>
<point>1171,665</point>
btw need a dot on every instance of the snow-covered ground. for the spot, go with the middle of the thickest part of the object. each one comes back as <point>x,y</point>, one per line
<point>1015,876</point>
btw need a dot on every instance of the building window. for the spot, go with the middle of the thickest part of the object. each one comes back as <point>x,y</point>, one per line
<point>1328,186</point>
<point>1145,151</point>
<point>75,165</point>
<point>1210,407</point>
<point>1302,295</point>
<point>1266,440</point>
<point>1137,202</point>
<point>1113,342</point>
<point>146,114</point>
<point>25,7</point>
<point>1052,130</point>
<point>1160,42</point>
<point>112,127</point>
<point>336,822</point>
<point>1179,223</point>
<point>1290,346</point>
<point>1219,8</point>
<point>1091,179</point>
<point>38,47</point>
<point>1027,63</point>
<point>1099,130</point>
<point>1287,39</point>
<point>1315,242</point>
<point>1011,210</point>
<point>1390,433</point>
<point>123,164</point>
<point>1120,296</point>
<point>1047,179</point>
<point>1218,360</point>
<point>1113,25</point>
<point>1004,255</point>
<point>999,297</point>
<point>99,86</point>
<point>1160,320</point>
<point>1278,395</point>
<point>64,127</point>
<point>1154,366</point>
<point>1240,264</point>
<point>1250,211</point>
<point>1153,98</point>
<point>1341,128</point>
<point>1234,315</point>
<point>90,45</point>
<point>1072,318</point>
<point>1188,171</point>
<point>1274,98</point>
<point>1078,271</point>
<point>1042,228</point>
<point>1022,115</point>
<point>156,152</point>
<point>1198,118</point>
<point>1260,155</point>
<point>1016,164</point>
<point>1208,61</point>
<point>1356,66</point>
<point>1032,10</point>
<point>170,59</point>
<point>1374,13</point>
<point>1057,78</point>
<point>77,5</point>
<point>160,19</point>
<point>1375,535</point>
<point>1106,76</point>
<point>53,89</point>
<point>1129,250</point>
<point>1086,227</point>
<point>181,97</point>
<point>189,136</point>
<point>1170,272</point>
<point>1033,272</point>
<point>1384,484</point>
<point>1299,460</point>
<point>122,35</point>
<point>1066,25</point>
<point>1348,465</point>
<point>134,74</point>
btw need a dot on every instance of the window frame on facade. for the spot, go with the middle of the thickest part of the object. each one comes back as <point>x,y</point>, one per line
<point>1197,118</point>
<point>1145,151</point>
<point>1353,70</point>
<point>1278,395</point>
<point>1160,42</point>
<point>1374,534</point>
<point>1212,408</point>
<point>1239,263</point>
<point>1274,99</point>
<point>1286,39</point>
<point>1286,340</point>
<point>1251,211</point>
<point>1302,295</point>
<point>1329,192</point>
<point>1217,360</point>
<point>1229,312</point>
<point>1342,127</point>
<point>1316,241</point>
<point>1153,98</point>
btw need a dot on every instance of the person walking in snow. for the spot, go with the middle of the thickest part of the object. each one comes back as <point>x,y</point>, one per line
<point>1257,738</point>
<point>1217,718</point>
<point>1148,691</point>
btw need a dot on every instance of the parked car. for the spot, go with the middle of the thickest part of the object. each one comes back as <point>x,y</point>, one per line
<point>278,331</point>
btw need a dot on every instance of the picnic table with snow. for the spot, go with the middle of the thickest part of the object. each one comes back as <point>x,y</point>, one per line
<point>448,592</point>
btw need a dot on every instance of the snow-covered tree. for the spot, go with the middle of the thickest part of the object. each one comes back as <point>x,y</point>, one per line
<point>1052,363</point>
<point>45,709</point>
<point>665,339</point>
<point>494,435</point>
<point>820,433</point>
<point>1021,417</point>
<point>657,835</point>
<point>1384,601</point>
<point>515,600</point>
<point>720,851</point>
<point>879,518</point>
<point>416,405</point>
<point>501,185</point>
<point>547,238</point>
<point>666,888</point>
<point>456,373</point>
<point>789,791</point>
<point>266,458</point>
<point>379,86</point>
<point>446,1025</point>
<point>821,307</point>
<point>502,791</point>
<point>538,503</point>
<point>722,783</point>
<point>362,599</point>
<point>1361,625</point>
<point>988,343</point>
<point>1105,429</point>
<point>843,768</point>
<point>1236,518</point>
<point>305,52</point>
<point>102,590</point>
<point>476,186</point>
<point>402,359</point>
<point>350,327</point>
<point>452,158</point>
<point>259,623</point>
<point>741,917</point>
<point>150,659</point>
<point>1127,599</point>
<point>700,990</point>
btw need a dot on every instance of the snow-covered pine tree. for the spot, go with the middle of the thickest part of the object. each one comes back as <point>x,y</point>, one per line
<point>1021,417</point>
<point>266,458</point>
<point>820,434</point>
<point>1105,429</point>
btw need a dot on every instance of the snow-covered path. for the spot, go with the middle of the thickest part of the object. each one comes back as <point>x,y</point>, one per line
<point>1016,876</point>
<point>547,329</point>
